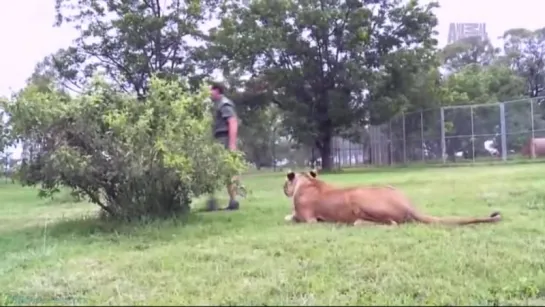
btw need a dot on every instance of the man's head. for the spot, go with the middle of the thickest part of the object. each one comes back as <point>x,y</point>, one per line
<point>293,180</point>
<point>216,91</point>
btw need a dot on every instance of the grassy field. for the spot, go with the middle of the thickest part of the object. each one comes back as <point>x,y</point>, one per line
<point>56,252</point>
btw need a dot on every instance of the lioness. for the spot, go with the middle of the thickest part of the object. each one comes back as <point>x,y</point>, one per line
<point>315,200</point>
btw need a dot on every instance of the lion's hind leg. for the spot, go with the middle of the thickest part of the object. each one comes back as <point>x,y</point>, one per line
<point>367,218</point>
<point>362,218</point>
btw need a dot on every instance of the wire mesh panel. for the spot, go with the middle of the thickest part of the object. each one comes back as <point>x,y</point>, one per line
<point>349,153</point>
<point>486,140</point>
<point>290,154</point>
<point>538,118</point>
<point>414,129</point>
<point>538,127</point>
<point>379,145</point>
<point>466,133</point>
<point>518,126</point>
<point>458,133</point>
<point>398,145</point>
<point>431,135</point>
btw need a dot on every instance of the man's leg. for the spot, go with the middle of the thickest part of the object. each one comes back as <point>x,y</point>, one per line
<point>232,191</point>
<point>232,186</point>
<point>212,202</point>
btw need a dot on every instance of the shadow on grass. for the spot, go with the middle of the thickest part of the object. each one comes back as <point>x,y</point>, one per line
<point>92,229</point>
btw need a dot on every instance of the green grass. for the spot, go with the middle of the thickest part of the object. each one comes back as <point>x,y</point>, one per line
<point>56,252</point>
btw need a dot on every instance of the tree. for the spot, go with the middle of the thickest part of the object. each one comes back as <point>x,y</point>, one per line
<point>470,50</point>
<point>60,70</point>
<point>130,40</point>
<point>525,52</point>
<point>259,132</point>
<point>327,64</point>
<point>132,158</point>
<point>5,141</point>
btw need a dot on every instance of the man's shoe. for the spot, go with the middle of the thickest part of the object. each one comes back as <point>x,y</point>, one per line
<point>233,205</point>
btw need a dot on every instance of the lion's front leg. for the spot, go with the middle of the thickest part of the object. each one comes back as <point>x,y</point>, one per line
<point>301,217</point>
<point>295,219</point>
<point>311,220</point>
<point>290,218</point>
<point>306,216</point>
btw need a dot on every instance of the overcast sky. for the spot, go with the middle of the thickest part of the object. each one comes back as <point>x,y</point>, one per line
<point>26,28</point>
<point>27,33</point>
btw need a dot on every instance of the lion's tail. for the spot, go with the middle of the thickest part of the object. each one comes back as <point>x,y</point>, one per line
<point>428,219</point>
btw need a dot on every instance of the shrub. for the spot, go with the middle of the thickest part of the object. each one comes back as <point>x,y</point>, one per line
<point>134,158</point>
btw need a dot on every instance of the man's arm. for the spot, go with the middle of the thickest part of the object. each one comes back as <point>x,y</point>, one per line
<point>229,114</point>
<point>233,131</point>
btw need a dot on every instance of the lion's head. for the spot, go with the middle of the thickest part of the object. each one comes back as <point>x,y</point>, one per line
<point>294,180</point>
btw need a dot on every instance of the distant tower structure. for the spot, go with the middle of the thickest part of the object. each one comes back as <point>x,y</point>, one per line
<point>460,30</point>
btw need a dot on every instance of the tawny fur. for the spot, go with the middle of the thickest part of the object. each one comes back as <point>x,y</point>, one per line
<point>315,200</point>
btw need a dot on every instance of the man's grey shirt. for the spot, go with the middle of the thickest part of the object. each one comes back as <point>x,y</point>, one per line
<point>223,110</point>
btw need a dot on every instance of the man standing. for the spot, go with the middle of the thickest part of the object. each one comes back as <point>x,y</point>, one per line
<point>225,131</point>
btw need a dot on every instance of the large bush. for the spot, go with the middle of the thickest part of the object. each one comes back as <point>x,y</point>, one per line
<point>132,157</point>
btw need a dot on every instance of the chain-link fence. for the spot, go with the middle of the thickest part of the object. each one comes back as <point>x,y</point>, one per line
<point>415,137</point>
<point>466,133</point>
<point>451,134</point>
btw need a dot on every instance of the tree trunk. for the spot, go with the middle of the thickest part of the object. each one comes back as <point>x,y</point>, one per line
<point>327,161</point>
<point>325,132</point>
<point>324,145</point>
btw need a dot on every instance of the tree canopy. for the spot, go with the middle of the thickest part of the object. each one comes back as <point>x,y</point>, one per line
<point>330,63</point>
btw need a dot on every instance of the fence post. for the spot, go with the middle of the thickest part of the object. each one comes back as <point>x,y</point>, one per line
<point>443,145</point>
<point>404,140</point>
<point>350,154</point>
<point>390,148</point>
<point>503,134</point>
<point>371,145</point>
<point>532,153</point>
<point>379,140</point>
<point>274,148</point>
<point>363,146</point>
<point>343,152</point>
<point>422,146</point>
<point>472,135</point>
<point>532,116</point>
<point>339,155</point>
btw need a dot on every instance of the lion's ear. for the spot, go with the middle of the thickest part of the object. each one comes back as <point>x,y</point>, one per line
<point>290,175</point>
<point>313,173</point>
